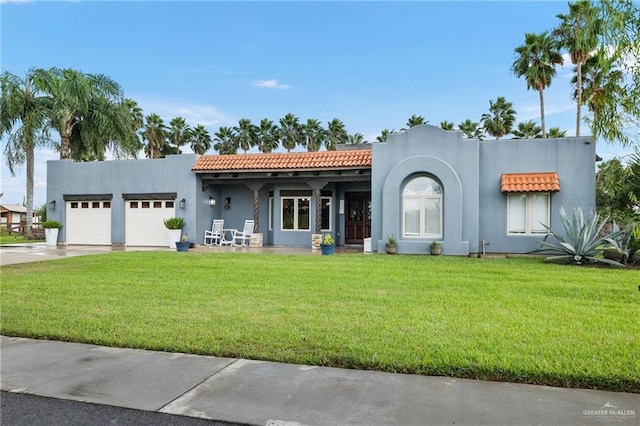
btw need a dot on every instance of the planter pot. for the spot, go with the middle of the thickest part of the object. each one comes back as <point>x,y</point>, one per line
<point>327,248</point>
<point>391,248</point>
<point>636,256</point>
<point>174,235</point>
<point>51,235</point>
<point>182,245</point>
<point>435,250</point>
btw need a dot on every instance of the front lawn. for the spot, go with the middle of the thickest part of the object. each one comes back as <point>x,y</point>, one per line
<point>518,320</point>
<point>14,239</point>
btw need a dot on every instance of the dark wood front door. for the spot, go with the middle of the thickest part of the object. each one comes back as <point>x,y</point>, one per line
<point>357,217</point>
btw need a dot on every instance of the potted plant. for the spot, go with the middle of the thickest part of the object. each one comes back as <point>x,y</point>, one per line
<point>184,244</point>
<point>391,245</point>
<point>51,229</point>
<point>328,244</point>
<point>436,248</point>
<point>174,225</point>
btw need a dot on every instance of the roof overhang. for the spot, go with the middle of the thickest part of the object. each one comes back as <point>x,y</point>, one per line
<point>530,182</point>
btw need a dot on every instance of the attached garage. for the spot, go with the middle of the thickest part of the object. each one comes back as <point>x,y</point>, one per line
<point>144,218</point>
<point>88,219</point>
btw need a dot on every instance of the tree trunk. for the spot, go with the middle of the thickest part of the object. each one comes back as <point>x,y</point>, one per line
<point>64,148</point>
<point>544,130</point>
<point>30,160</point>
<point>578,95</point>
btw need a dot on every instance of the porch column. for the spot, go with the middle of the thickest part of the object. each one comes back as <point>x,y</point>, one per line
<point>317,186</point>
<point>255,187</point>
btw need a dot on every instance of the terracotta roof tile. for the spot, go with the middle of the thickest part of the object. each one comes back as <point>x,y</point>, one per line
<point>530,182</point>
<point>285,161</point>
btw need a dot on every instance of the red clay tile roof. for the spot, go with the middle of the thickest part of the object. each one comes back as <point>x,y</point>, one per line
<point>353,159</point>
<point>530,182</point>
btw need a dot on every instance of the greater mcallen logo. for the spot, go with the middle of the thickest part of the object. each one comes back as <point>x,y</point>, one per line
<point>610,412</point>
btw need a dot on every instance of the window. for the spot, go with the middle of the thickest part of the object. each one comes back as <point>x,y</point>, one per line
<point>527,213</point>
<point>295,213</point>
<point>133,205</point>
<point>326,214</point>
<point>168,204</point>
<point>157,204</point>
<point>106,204</point>
<point>95,205</point>
<point>271,211</point>
<point>422,208</point>
<point>74,205</point>
<point>84,204</point>
<point>145,204</point>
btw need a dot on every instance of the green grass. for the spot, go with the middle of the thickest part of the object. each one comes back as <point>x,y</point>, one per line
<point>14,239</point>
<point>518,320</point>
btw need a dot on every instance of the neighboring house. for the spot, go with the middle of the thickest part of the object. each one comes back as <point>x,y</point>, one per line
<point>422,185</point>
<point>14,217</point>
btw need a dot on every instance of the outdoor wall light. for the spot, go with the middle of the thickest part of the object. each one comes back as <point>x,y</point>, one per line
<point>227,202</point>
<point>212,201</point>
<point>52,205</point>
<point>183,203</point>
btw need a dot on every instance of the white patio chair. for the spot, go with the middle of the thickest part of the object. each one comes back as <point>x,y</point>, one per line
<point>214,236</point>
<point>243,236</point>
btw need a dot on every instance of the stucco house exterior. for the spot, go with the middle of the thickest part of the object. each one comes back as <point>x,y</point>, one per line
<point>421,185</point>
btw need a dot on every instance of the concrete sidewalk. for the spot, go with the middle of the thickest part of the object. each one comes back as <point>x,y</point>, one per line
<point>267,393</point>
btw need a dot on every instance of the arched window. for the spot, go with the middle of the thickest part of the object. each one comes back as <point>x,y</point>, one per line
<point>422,208</point>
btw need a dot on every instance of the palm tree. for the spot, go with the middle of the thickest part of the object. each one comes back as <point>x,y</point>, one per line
<point>23,116</point>
<point>384,135</point>
<point>527,130</point>
<point>336,134</point>
<point>555,132</point>
<point>290,132</point>
<point>416,120</point>
<point>267,136</point>
<point>313,135</point>
<point>356,139</point>
<point>87,111</point>
<point>536,61</point>
<point>199,139</point>
<point>500,119</point>
<point>178,133</point>
<point>602,83</point>
<point>245,134</point>
<point>578,32</point>
<point>155,133</point>
<point>471,129</point>
<point>446,125</point>
<point>225,141</point>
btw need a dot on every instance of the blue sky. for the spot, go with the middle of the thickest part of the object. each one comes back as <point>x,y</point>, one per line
<point>370,64</point>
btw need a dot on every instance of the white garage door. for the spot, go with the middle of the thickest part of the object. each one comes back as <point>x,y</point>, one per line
<point>144,222</point>
<point>88,222</point>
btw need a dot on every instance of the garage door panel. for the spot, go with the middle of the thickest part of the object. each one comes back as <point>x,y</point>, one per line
<point>88,222</point>
<point>144,222</point>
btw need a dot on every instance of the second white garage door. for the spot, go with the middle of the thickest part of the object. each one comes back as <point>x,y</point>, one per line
<point>144,222</point>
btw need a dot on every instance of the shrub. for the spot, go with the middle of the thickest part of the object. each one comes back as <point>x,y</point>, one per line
<point>50,224</point>
<point>174,223</point>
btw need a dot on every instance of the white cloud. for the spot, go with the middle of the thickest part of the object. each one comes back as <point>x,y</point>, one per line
<point>271,84</point>
<point>193,114</point>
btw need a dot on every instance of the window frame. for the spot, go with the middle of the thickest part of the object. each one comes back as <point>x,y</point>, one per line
<point>296,212</point>
<point>528,197</point>
<point>330,214</point>
<point>422,200</point>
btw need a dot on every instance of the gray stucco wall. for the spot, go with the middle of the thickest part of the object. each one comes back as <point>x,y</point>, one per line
<point>170,174</point>
<point>474,208</point>
<point>429,151</point>
<point>572,158</point>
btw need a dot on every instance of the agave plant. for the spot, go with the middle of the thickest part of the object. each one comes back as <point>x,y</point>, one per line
<point>581,241</point>
<point>625,240</point>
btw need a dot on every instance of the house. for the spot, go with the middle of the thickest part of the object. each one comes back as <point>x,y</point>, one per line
<point>13,218</point>
<point>422,185</point>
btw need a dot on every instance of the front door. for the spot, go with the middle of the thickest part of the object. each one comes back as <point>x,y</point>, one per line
<point>357,217</point>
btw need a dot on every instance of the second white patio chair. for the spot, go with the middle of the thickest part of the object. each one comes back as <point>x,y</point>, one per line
<point>214,236</point>
<point>243,236</point>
